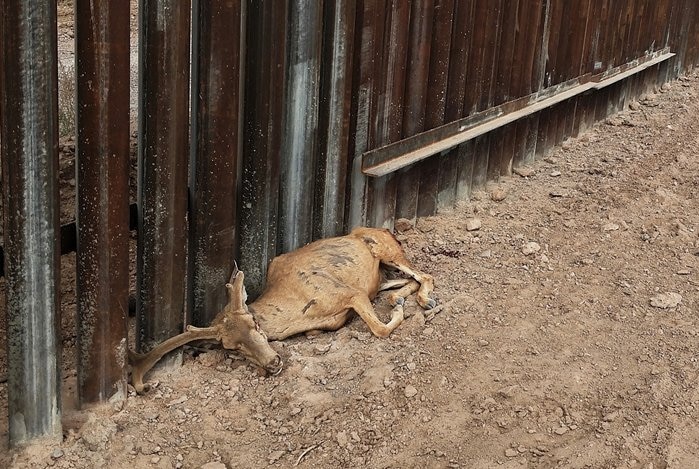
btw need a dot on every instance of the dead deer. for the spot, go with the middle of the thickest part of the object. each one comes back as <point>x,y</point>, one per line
<point>314,288</point>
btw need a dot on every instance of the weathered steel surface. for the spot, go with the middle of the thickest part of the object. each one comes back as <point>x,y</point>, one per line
<point>417,76</point>
<point>456,167</point>
<point>300,124</point>
<point>29,153</point>
<point>435,107</point>
<point>334,119</point>
<point>265,60</point>
<point>215,156</point>
<point>162,165</point>
<point>369,39</point>
<point>102,159</point>
<point>388,103</point>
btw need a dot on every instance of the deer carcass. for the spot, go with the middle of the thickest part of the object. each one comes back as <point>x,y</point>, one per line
<point>314,288</point>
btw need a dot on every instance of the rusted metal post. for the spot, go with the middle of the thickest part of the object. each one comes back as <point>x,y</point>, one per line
<point>336,70</point>
<point>102,41</point>
<point>391,52</point>
<point>300,137</point>
<point>264,97</point>
<point>29,153</point>
<point>417,78</point>
<point>162,165</point>
<point>216,99</point>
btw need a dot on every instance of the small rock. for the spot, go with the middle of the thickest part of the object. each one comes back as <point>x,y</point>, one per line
<point>410,391</point>
<point>155,459</point>
<point>683,272</point>
<point>511,453</point>
<point>216,465</point>
<point>275,456</point>
<point>403,224</point>
<point>321,349</point>
<point>666,300</point>
<point>342,439</point>
<point>487,254</point>
<point>555,174</point>
<point>424,225</point>
<point>57,453</point>
<point>556,193</point>
<point>428,331</point>
<point>561,430</point>
<point>610,227</point>
<point>483,343</point>
<point>498,194</point>
<point>473,224</point>
<point>610,417</point>
<point>530,248</point>
<point>524,172</point>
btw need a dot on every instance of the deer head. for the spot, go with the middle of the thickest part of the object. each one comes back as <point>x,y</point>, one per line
<point>234,327</point>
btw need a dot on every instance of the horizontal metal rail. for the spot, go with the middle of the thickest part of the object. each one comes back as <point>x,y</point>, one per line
<point>392,157</point>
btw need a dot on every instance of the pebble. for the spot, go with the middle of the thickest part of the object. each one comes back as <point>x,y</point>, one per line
<point>483,343</point>
<point>530,248</point>
<point>683,272</point>
<point>342,439</point>
<point>523,171</point>
<point>610,227</point>
<point>275,456</point>
<point>561,430</point>
<point>155,459</point>
<point>403,224</point>
<point>215,465</point>
<point>57,453</point>
<point>487,254</point>
<point>511,452</point>
<point>410,391</point>
<point>473,224</point>
<point>321,349</point>
<point>498,194</point>
<point>666,300</point>
<point>555,174</point>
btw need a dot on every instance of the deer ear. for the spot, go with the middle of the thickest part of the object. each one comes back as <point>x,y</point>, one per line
<point>236,292</point>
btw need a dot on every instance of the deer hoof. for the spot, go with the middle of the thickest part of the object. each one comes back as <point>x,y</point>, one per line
<point>430,304</point>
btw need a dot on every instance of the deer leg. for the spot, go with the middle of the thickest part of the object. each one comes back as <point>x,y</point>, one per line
<point>391,284</point>
<point>408,289</point>
<point>362,306</point>
<point>426,281</point>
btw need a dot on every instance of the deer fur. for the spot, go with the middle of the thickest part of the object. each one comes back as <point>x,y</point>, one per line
<point>314,288</point>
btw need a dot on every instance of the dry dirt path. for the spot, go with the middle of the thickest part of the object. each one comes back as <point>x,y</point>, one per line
<point>544,355</point>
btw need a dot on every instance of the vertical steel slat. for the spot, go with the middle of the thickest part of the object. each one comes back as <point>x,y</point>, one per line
<point>388,104</point>
<point>265,58</point>
<point>367,41</point>
<point>215,154</point>
<point>532,31</point>
<point>548,122</point>
<point>419,48</point>
<point>300,125</point>
<point>457,165</point>
<point>102,161</point>
<point>501,142</point>
<point>390,73</point>
<point>336,88</point>
<point>486,14</point>
<point>162,166</point>
<point>435,107</point>
<point>29,149</point>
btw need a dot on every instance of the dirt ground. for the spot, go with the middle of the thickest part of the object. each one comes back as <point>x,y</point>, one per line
<point>563,353</point>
